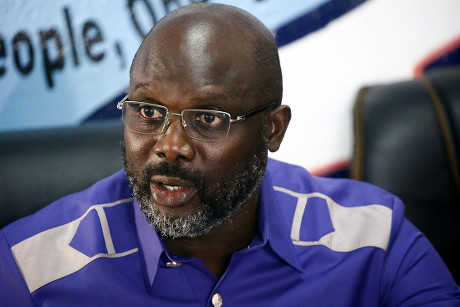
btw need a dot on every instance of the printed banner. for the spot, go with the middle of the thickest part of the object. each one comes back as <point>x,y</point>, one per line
<point>62,60</point>
<point>66,62</point>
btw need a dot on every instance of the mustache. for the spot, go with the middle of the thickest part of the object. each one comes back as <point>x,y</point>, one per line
<point>163,169</point>
<point>173,170</point>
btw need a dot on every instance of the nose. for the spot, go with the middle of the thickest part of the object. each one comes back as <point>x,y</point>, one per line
<point>174,144</point>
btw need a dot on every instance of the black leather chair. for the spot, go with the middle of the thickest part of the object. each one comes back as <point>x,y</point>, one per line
<point>40,166</point>
<point>407,138</point>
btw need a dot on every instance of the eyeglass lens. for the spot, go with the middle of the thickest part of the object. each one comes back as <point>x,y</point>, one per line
<point>209,125</point>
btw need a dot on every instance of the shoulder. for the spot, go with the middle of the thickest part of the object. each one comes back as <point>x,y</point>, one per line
<point>70,233</point>
<point>348,214</point>
<point>111,189</point>
<point>365,224</point>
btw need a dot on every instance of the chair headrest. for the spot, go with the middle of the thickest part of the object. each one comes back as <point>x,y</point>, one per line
<point>40,166</point>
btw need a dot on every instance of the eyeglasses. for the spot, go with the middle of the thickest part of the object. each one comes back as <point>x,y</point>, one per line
<point>199,124</point>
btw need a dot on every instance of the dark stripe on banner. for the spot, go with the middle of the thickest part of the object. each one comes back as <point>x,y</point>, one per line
<point>449,59</point>
<point>107,111</point>
<point>314,20</point>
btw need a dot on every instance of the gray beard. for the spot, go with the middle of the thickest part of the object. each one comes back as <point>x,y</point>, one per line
<point>229,197</point>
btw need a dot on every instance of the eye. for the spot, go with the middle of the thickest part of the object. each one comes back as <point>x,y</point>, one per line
<point>150,112</point>
<point>209,119</point>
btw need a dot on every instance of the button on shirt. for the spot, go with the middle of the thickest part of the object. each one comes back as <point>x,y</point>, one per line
<point>217,300</point>
<point>320,242</point>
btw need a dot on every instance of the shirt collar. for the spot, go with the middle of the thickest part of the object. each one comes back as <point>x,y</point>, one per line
<point>151,245</point>
<point>272,228</point>
<point>275,231</point>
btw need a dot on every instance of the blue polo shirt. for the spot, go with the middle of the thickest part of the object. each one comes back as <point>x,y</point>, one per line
<point>320,242</point>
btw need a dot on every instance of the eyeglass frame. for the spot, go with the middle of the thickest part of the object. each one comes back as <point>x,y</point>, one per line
<point>238,119</point>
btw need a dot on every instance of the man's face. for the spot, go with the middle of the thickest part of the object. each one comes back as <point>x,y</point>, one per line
<point>186,187</point>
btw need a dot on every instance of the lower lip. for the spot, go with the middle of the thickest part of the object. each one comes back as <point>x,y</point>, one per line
<point>175,198</point>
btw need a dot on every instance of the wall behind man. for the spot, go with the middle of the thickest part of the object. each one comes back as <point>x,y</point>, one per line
<point>67,62</point>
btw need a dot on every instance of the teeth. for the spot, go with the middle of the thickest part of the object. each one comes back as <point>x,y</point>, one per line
<point>171,187</point>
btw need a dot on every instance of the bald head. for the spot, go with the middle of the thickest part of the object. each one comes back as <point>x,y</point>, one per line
<point>219,43</point>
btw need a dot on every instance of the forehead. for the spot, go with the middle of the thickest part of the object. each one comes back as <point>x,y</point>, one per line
<point>186,56</point>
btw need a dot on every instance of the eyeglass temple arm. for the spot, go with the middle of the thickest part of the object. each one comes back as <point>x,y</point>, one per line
<point>240,118</point>
<point>120,104</point>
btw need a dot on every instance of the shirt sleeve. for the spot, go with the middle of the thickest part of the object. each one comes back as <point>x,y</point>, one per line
<point>13,289</point>
<point>414,273</point>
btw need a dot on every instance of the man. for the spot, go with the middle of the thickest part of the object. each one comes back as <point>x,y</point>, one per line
<point>210,223</point>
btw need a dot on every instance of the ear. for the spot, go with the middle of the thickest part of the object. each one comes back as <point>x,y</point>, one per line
<point>277,123</point>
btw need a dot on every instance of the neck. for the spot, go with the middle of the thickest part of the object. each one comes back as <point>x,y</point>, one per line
<point>216,248</point>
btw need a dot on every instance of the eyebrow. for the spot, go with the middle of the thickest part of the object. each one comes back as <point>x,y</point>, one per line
<point>211,100</point>
<point>142,84</point>
<point>207,98</point>
<point>209,95</point>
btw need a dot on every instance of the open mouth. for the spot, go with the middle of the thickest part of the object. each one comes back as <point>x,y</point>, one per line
<point>170,191</point>
<point>171,187</point>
